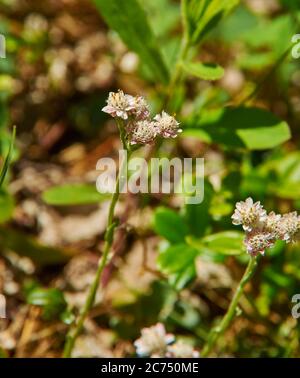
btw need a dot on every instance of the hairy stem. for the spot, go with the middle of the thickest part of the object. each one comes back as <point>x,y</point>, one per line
<point>231,312</point>
<point>108,237</point>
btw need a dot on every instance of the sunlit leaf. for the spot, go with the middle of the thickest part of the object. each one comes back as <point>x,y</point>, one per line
<point>226,242</point>
<point>73,194</point>
<point>252,128</point>
<point>205,71</point>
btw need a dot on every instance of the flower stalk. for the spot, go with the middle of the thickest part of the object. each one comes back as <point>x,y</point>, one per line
<point>108,237</point>
<point>136,129</point>
<point>232,310</point>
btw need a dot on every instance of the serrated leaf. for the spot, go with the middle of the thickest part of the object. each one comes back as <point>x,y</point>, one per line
<point>130,20</point>
<point>205,71</point>
<point>73,194</point>
<point>253,128</point>
<point>170,225</point>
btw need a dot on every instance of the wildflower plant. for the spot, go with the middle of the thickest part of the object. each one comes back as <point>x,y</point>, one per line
<point>243,145</point>
<point>136,129</point>
<point>262,230</point>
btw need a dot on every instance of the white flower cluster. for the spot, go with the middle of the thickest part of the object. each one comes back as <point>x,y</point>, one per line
<point>262,229</point>
<point>155,342</point>
<point>135,111</point>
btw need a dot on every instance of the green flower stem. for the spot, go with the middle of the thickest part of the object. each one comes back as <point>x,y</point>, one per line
<point>231,312</point>
<point>109,236</point>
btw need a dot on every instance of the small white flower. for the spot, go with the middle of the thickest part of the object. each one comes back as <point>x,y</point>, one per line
<point>119,104</point>
<point>257,241</point>
<point>167,125</point>
<point>181,350</point>
<point>153,341</point>
<point>250,215</point>
<point>142,132</point>
<point>289,227</point>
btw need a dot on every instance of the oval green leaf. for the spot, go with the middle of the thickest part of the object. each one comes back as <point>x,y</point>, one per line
<point>73,194</point>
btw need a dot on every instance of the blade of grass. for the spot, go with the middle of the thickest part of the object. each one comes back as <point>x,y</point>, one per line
<point>8,157</point>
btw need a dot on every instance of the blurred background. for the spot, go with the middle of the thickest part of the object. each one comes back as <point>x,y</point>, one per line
<point>62,59</point>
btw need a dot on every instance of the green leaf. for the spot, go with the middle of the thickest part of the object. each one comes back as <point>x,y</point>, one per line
<point>176,258</point>
<point>129,19</point>
<point>67,317</point>
<point>225,243</point>
<point>45,297</point>
<point>289,190</point>
<point>181,279</point>
<point>204,15</point>
<point>277,278</point>
<point>52,300</point>
<point>73,194</point>
<point>170,225</point>
<point>253,128</point>
<point>287,169</point>
<point>6,206</point>
<point>7,160</point>
<point>24,245</point>
<point>163,15</point>
<point>205,71</point>
<point>3,115</point>
<point>197,215</point>
<point>256,61</point>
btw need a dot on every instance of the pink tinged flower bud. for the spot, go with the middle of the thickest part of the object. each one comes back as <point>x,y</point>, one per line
<point>153,341</point>
<point>289,227</point>
<point>167,125</point>
<point>250,215</point>
<point>272,224</point>
<point>257,241</point>
<point>140,108</point>
<point>142,132</point>
<point>119,104</point>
